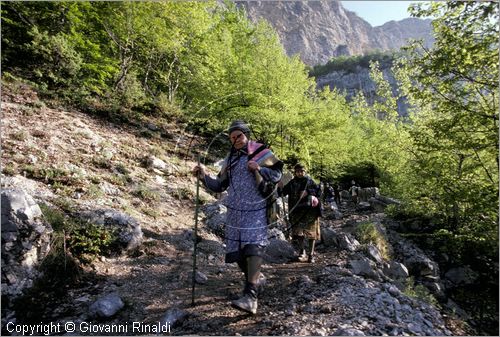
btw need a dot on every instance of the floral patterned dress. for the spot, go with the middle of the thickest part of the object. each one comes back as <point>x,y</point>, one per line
<point>246,222</point>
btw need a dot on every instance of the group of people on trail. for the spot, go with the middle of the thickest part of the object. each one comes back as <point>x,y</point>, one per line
<point>332,194</point>
<point>247,170</point>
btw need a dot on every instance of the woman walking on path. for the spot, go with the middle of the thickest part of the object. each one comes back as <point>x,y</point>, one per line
<point>246,169</point>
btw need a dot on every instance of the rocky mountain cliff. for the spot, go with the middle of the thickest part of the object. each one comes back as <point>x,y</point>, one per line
<point>320,30</point>
<point>350,82</point>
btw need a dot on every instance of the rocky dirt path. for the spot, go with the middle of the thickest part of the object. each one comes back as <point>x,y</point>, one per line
<point>323,298</point>
<point>158,278</point>
<point>298,299</point>
<point>282,304</point>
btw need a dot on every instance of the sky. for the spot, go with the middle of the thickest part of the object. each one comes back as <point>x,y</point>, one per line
<point>379,12</point>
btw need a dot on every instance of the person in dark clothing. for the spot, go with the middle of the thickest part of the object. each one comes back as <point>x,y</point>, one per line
<point>329,193</point>
<point>336,192</point>
<point>304,211</point>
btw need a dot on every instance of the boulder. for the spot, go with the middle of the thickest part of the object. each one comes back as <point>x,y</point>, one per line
<point>365,267</point>
<point>127,228</point>
<point>329,237</point>
<point>106,306</point>
<point>279,251</point>
<point>396,270</point>
<point>25,241</point>
<point>363,206</point>
<point>346,241</point>
<point>374,254</point>
<point>174,316</point>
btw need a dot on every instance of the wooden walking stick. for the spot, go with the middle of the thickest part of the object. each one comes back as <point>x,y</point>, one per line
<point>196,209</point>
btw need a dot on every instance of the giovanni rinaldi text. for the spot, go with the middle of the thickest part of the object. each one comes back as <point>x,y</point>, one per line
<point>86,327</point>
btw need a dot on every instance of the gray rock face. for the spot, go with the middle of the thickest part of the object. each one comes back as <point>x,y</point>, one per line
<point>328,237</point>
<point>320,30</point>
<point>25,241</point>
<point>364,194</point>
<point>347,241</point>
<point>200,278</point>
<point>350,82</point>
<point>374,254</point>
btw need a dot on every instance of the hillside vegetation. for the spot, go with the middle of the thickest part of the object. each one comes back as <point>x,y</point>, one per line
<point>195,66</point>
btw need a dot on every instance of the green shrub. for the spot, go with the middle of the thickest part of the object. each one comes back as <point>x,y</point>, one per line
<point>150,211</point>
<point>9,169</point>
<point>183,193</point>
<point>89,241</point>
<point>419,291</point>
<point>54,217</point>
<point>367,233</point>
<point>19,135</point>
<point>167,109</point>
<point>118,179</point>
<point>350,63</point>
<point>130,92</point>
<point>65,204</point>
<point>94,191</point>
<point>101,162</point>
<point>122,168</point>
<point>84,241</point>
<point>58,62</point>
<point>50,175</point>
<point>146,194</point>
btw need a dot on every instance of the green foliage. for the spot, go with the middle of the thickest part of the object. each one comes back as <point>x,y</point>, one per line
<point>90,240</point>
<point>147,194</point>
<point>50,175</point>
<point>75,239</point>
<point>60,61</point>
<point>182,193</point>
<point>419,291</point>
<point>367,233</point>
<point>122,168</point>
<point>102,162</point>
<point>54,217</point>
<point>9,169</point>
<point>207,64</point>
<point>453,163</point>
<point>353,63</point>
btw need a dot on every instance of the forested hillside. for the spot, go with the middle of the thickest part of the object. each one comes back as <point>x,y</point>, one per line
<point>201,65</point>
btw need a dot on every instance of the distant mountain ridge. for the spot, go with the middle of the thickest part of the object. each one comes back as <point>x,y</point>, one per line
<point>320,30</point>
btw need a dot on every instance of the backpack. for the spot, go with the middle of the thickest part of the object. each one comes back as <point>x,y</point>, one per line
<point>268,190</point>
